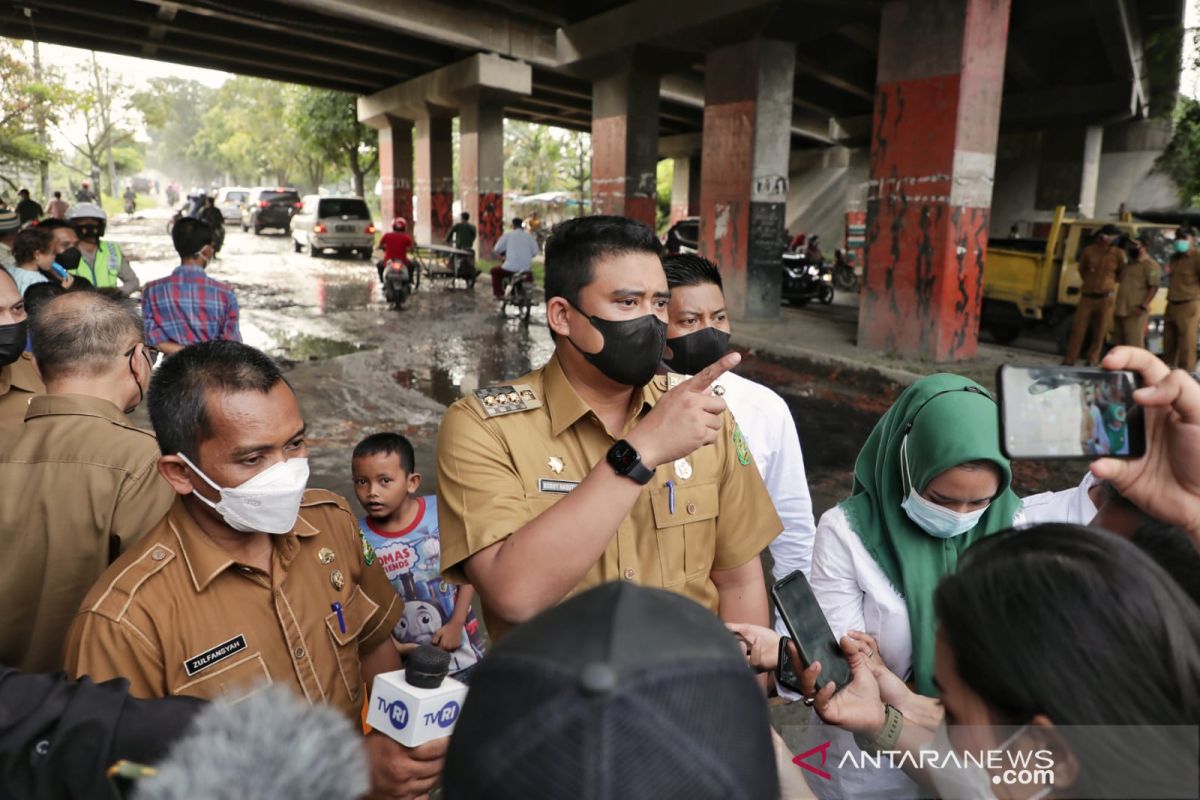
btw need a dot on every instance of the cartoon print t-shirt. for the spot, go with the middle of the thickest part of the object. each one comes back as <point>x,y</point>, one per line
<point>412,559</point>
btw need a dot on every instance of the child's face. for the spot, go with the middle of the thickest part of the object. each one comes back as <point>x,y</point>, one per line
<point>381,484</point>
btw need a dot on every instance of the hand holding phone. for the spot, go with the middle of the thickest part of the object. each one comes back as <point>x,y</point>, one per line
<point>806,623</point>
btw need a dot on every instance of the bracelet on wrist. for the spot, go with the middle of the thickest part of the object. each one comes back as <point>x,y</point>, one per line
<point>886,738</point>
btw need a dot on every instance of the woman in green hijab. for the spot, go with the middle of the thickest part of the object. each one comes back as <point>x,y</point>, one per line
<point>929,482</point>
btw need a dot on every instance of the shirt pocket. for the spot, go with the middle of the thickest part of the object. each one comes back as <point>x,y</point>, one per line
<point>355,613</point>
<point>230,682</point>
<point>686,538</point>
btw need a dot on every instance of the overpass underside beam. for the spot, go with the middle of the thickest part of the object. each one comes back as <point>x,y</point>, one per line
<point>933,154</point>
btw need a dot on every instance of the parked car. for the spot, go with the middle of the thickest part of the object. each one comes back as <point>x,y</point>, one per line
<point>334,223</point>
<point>270,208</point>
<point>231,200</point>
<point>683,236</point>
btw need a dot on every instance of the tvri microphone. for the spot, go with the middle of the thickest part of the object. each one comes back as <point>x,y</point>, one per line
<point>419,703</point>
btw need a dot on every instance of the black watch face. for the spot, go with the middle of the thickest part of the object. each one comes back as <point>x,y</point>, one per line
<point>623,457</point>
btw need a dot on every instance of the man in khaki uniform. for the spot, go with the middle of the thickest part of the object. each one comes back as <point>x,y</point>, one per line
<point>1139,284</point>
<point>1183,302</point>
<point>591,469</point>
<point>259,581</point>
<point>19,381</point>
<point>1100,266</point>
<point>79,481</point>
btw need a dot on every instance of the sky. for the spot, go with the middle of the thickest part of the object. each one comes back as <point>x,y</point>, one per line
<point>134,71</point>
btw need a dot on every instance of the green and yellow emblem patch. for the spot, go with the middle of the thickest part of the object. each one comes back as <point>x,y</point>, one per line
<point>740,446</point>
<point>368,551</point>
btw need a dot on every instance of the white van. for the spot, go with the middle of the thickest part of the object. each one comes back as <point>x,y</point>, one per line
<point>334,223</point>
<point>230,200</point>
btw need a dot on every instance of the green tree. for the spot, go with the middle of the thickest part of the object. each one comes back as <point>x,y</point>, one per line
<point>666,176</point>
<point>533,157</point>
<point>326,124</point>
<point>1181,158</point>
<point>245,134</point>
<point>24,100</point>
<point>101,105</point>
<point>174,110</point>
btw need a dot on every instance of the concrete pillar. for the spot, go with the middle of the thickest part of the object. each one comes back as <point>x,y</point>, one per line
<point>435,179</point>
<point>744,183</point>
<point>625,145</point>
<point>481,170</point>
<point>1069,168</point>
<point>685,188</point>
<point>396,171</point>
<point>933,154</point>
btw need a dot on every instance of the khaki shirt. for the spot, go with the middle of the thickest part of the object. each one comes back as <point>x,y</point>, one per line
<point>177,615</point>
<point>497,473</point>
<point>1099,266</point>
<point>80,482</point>
<point>1136,282</point>
<point>19,382</point>
<point>1184,283</point>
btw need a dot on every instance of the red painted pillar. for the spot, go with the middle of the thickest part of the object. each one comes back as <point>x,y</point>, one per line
<point>625,145</point>
<point>744,170</point>
<point>481,170</point>
<point>435,179</point>
<point>933,155</point>
<point>396,171</point>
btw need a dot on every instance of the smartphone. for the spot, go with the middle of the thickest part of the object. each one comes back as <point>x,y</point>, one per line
<point>804,620</point>
<point>1070,412</point>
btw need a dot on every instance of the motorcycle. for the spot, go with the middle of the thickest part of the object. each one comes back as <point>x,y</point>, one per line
<point>397,282</point>
<point>805,280</point>
<point>845,276</point>
<point>130,205</point>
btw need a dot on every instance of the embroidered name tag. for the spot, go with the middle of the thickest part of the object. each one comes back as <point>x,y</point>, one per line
<point>209,657</point>
<point>556,487</point>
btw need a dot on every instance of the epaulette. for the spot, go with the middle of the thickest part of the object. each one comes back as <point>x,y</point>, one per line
<point>317,497</point>
<point>496,401</point>
<point>116,599</point>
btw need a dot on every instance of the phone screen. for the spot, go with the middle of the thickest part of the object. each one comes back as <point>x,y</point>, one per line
<point>1070,412</point>
<point>806,623</point>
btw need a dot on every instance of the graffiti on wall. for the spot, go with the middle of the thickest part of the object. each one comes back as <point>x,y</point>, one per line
<point>441,217</point>
<point>491,221</point>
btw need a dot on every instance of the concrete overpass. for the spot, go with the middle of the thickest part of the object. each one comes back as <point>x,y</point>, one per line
<point>901,107</point>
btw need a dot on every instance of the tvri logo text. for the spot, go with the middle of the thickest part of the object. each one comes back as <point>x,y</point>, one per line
<point>1010,767</point>
<point>397,713</point>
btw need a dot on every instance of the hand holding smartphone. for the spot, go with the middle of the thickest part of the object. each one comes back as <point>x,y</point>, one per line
<point>1070,412</point>
<point>805,622</point>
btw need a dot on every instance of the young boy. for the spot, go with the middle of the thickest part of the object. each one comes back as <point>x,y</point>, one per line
<point>400,529</point>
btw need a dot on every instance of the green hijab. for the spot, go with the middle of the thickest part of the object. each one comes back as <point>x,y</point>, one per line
<point>957,422</point>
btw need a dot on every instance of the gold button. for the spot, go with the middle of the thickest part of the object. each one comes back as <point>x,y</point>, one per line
<point>158,555</point>
<point>691,508</point>
<point>298,652</point>
<point>629,574</point>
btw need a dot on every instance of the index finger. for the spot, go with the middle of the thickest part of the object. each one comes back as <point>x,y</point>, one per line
<point>1153,370</point>
<point>703,379</point>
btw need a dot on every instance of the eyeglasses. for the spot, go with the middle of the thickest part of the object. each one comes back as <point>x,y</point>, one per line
<point>153,354</point>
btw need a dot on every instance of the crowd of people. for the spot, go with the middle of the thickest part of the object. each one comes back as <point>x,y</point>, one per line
<point>607,513</point>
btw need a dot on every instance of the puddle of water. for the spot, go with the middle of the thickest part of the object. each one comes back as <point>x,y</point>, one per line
<point>305,347</point>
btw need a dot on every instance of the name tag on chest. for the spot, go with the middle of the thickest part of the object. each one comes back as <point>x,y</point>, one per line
<point>219,653</point>
<point>551,486</point>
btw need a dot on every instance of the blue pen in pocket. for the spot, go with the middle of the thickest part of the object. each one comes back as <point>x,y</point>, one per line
<point>337,609</point>
<point>671,496</point>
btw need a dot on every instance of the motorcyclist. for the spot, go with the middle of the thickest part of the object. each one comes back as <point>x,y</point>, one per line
<point>101,262</point>
<point>130,200</point>
<point>395,246</point>
<point>216,220</point>
<point>85,193</point>
<point>812,251</point>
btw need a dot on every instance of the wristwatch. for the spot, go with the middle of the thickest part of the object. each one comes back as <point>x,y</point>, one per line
<point>627,462</point>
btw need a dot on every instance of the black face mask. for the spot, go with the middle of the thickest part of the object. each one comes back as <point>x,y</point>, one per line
<point>68,259</point>
<point>695,351</point>
<point>12,341</point>
<point>633,348</point>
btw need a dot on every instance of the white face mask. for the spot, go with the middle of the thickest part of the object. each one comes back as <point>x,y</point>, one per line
<point>934,519</point>
<point>970,782</point>
<point>267,503</point>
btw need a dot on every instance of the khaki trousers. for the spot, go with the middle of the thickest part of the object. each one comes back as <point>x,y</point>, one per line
<point>1131,330</point>
<point>1179,334</point>
<point>1092,318</point>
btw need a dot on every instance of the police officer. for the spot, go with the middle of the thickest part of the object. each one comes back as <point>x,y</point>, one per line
<point>102,262</point>
<point>1139,284</point>
<point>19,381</point>
<point>1100,266</point>
<point>592,469</point>
<point>1183,302</point>
<point>80,482</point>
<point>249,578</point>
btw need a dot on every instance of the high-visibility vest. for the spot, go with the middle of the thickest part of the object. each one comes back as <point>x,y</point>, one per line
<point>102,274</point>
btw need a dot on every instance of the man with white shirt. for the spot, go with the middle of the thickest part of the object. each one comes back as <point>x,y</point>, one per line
<point>517,247</point>
<point>698,334</point>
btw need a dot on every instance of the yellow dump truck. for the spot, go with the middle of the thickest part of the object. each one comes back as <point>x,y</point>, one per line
<point>1032,282</point>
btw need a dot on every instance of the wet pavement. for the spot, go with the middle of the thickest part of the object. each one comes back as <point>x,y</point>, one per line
<point>360,367</point>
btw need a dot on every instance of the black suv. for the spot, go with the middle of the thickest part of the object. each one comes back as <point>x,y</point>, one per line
<point>270,208</point>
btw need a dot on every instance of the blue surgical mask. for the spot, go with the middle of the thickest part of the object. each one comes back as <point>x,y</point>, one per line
<point>932,518</point>
<point>1182,245</point>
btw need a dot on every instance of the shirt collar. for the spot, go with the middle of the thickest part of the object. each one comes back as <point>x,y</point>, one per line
<point>21,375</point>
<point>205,558</point>
<point>51,405</point>
<point>188,269</point>
<point>567,407</point>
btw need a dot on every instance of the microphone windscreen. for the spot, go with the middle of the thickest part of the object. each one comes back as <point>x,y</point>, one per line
<point>426,667</point>
<point>268,746</point>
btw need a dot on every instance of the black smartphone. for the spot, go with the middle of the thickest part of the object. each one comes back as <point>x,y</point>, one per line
<point>1069,412</point>
<point>804,620</point>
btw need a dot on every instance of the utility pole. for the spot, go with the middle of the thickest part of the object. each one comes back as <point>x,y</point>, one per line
<point>43,164</point>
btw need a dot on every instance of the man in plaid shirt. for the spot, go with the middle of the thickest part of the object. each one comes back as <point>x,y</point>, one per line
<point>187,306</point>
